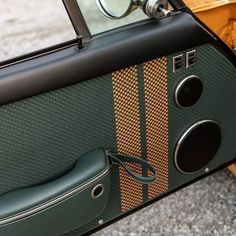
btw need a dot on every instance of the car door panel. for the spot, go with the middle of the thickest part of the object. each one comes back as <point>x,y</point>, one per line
<point>116,94</point>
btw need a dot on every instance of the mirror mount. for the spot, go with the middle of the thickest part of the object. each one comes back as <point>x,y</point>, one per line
<point>157,8</point>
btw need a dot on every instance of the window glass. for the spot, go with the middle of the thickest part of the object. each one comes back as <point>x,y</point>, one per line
<point>98,23</point>
<point>27,26</point>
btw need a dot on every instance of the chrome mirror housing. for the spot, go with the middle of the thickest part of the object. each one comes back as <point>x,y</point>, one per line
<point>114,9</point>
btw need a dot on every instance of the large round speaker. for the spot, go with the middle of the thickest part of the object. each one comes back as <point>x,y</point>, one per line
<point>197,146</point>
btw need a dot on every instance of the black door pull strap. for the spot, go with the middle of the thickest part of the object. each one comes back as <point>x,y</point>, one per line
<point>121,159</point>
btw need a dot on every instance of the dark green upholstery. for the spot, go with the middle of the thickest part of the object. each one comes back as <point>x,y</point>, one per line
<point>41,137</point>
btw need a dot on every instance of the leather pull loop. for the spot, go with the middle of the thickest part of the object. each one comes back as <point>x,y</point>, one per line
<point>121,159</point>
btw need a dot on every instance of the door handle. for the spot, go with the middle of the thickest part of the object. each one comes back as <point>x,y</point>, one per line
<point>88,170</point>
<point>70,201</point>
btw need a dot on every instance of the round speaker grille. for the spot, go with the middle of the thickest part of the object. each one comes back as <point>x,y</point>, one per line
<point>197,146</point>
<point>188,91</point>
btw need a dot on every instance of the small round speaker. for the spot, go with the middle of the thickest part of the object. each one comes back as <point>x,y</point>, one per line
<point>188,91</point>
<point>197,146</point>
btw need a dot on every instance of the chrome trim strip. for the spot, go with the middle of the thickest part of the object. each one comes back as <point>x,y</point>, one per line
<point>174,60</point>
<point>182,138</point>
<point>179,86</point>
<point>93,195</point>
<point>54,201</point>
<point>187,58</point>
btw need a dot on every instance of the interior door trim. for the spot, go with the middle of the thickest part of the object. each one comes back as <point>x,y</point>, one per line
<point>55,200</point>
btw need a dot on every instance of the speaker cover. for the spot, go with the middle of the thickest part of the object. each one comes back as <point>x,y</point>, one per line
<point>197,146</point>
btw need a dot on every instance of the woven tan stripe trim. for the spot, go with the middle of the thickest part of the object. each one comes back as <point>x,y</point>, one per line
<point>156,106</point>
<point>128,134</point>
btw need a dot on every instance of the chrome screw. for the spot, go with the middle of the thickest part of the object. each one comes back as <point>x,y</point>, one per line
<point>100,222</point>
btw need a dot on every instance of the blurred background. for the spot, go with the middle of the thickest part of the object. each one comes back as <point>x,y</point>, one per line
<point>204,208</point>
<point>28,26</point>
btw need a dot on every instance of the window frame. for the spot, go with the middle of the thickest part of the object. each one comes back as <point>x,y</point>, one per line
<point>80,26</point>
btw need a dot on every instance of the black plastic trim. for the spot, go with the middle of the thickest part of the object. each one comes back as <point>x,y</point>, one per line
<point>38,53</point>
<point>177,4</point>
<point>102,55</point>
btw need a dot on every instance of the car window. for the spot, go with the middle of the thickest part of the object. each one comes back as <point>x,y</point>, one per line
<point>98,23</point>
<point>28,26</point>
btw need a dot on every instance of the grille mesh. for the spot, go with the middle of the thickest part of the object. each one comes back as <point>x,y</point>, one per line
<point>42,137</point>
<point>128,134</point>
<point>156,106</point>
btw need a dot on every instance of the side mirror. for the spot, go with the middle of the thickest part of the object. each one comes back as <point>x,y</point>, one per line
<point>114,9</point>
